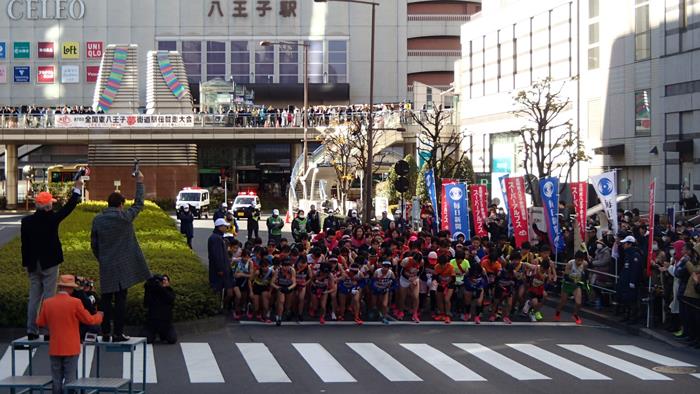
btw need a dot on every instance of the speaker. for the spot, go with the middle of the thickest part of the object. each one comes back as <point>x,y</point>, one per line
<point>401,167</point>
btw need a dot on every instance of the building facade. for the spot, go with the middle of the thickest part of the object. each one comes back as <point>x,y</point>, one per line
<point>630,70</point>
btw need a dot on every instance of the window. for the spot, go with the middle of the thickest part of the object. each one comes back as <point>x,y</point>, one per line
<point>593,8</point>
<point>683,14</point>
<point>240,61</point>
<point>289,63</point>
<point>593,35</point>
<point>593,58</point>
<point>264,64</point>
<point>216,60</point>
<point>642,112</point>
<point>337,61</point>
<point>167,45</point>
<point>315,61</point>
<point>192,57</point>
<point>642,35</point>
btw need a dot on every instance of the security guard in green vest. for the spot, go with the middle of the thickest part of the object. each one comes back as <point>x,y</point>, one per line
<point>299,226</point>
<point>274,227</point>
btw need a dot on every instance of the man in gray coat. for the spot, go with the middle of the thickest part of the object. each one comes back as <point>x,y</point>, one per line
<point>121,260</point>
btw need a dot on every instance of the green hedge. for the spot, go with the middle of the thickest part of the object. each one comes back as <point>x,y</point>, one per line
<point>164,247</point>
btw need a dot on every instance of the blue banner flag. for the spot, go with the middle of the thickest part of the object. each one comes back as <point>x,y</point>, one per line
<point>549,190</point>
<point>430,185</point>
<point>456,195</point>
<point>502,181</point>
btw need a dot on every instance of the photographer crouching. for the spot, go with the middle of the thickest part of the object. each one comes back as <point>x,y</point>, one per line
<point>159,300</point>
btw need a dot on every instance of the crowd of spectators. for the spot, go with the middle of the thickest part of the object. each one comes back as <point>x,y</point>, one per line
<point>38,116</point>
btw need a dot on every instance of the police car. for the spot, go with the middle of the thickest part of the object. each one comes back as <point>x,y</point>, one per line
<point>242,203</point>
<point>197,198</point>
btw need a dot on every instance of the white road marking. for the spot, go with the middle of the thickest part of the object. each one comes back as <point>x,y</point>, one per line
<point>262,363</point>
<point>499,361</point>
<point>651,356</point>
<point>201,364</point>
<point>558,362</point>
<point>427,323</point>
<point>151,376</point>
<point>21,362</point>
<point>384,363</point>
<point>90,352</point>
<point>617,363</point>
<point>443,363</point>
<point>326,367</point>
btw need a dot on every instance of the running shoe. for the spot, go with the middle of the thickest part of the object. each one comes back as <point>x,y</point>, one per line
<point>358,321</point>
<point>322,320</point>
<point>448,320</point>
<point>278,320</point>
<point>492,318</point>
<point>557,316</point>
<point>538,315</point>
<point>416,318</point>
<point>477,319</point>
<point>577,319</point>
<point>532,317</point>
<point>341,318</point>
<point>385,320</point>
<point>236,316</point>
<point>678,333</point>
<point>333,316</point>
<point>507,320</point>
<point>466,317</point>
<point>439,317</point>
<point>399,315</point>
<point>268,321</point>
<point>249,315</point>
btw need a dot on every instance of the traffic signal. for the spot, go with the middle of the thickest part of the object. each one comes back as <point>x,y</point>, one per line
<point>401,183</point>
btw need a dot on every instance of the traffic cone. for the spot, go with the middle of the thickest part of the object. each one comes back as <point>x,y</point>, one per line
<point>288,217</point>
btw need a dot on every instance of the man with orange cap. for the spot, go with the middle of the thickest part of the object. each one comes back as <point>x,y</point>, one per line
<point>62,314</point>
<point>42,252</point>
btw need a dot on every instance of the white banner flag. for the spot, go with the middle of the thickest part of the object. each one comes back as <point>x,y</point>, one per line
<point>606,188</point>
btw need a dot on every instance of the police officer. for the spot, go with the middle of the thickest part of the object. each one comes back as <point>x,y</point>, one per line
<point>253,216</point>
<point>630,279</point>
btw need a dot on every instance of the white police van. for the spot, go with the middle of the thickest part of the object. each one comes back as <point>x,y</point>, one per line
<point>243,201</point>
<point>197,198</point>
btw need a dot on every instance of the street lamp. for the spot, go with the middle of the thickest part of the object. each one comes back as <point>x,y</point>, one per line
<point>367,192</point>
<point>305,112</point>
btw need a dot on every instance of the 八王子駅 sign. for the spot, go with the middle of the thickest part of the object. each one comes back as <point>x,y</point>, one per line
<point>45,9</point>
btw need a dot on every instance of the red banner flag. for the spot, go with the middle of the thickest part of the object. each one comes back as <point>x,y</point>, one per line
<point>444,214</point>
<point>579,191</point>
<point>652,198</point>
<point>515,192</point>
<point>479,200</point>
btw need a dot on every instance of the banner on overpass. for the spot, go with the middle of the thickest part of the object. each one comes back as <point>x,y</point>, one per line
<point>124,121</point>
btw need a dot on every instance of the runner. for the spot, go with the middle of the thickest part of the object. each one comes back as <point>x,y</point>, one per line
<point>241,276</point>
<point>383,281</point>
<point>445,285</point>
<point>283,281</point>
<point>322,284</point>
<point>461,265</point>
<point>474,285</point>
<point>573,283</point>
<point>352,280</point>
<point>261,290</point>
<point>303,273</point>
<point>411,269</point>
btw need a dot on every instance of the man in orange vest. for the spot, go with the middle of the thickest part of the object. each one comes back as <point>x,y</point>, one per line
<point>62,315</point>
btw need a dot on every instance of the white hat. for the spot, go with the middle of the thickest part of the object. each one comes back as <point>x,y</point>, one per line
<point>629,239</point>
<point>432,255</point>
<point>275,212</point>
<point>186,207</point>
<point>220,222</point>
<point>224,205</point>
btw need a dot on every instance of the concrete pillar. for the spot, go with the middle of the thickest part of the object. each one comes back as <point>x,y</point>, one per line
<point>296,152</point>
<point>11,175</point>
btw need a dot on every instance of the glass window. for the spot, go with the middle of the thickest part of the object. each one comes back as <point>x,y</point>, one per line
<point>593,8</point>
<point>641,30</point>
<point>593,58</point>
<point>240,61</point>
<point>167,45</point>
<point>289,63</point>
<point>216,60</point>
<point>264,64</point>
<point>192,57</point>
<point>337,61</point>
<point>315,61</point>
<point>642,110</point>
<point>593,33</point>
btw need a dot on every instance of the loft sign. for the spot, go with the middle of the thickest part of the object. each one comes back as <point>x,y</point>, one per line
<point>45,9</point>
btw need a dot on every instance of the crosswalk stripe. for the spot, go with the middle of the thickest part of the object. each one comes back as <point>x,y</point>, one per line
<point>151,376</point>
<point>516,370</point>
<point>262,363</point>
<point>21,362</point>
<point>384,363</point>
<point>90,352</point>
<point>696,375</point>
<point>617,363</point>
<point>200,362</point>
<point>443,363</point>
<point>651,356</point>
<point>323,363</point>
<point>558,362</point>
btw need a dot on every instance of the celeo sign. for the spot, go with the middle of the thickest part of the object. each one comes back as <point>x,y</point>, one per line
<point>45,9</point>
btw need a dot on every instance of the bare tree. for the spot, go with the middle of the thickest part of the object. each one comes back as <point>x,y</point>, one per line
<point>357,138</point>
<point>444,143</point>
<point>550,147</point>
<point>341,156</point>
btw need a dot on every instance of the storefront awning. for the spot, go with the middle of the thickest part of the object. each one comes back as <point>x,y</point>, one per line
<point>680,146</point>
<point>615,150</point>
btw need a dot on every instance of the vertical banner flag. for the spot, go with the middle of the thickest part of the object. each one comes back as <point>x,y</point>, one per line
<point>456,196</point>
<point>549,190</point>
<point>502,180</point>
<point>444,205</point>
<point>605,187</point>
<point>515,191</point>
<point>652,198</point>
<point>479,200</point>
<point>579,191</point>
<point>430,185</point>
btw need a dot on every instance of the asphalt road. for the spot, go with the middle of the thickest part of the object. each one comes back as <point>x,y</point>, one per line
<point>9,227</point>
<point>343,358</point>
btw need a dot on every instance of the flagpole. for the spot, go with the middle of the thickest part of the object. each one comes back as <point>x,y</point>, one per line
<point>652,202</point>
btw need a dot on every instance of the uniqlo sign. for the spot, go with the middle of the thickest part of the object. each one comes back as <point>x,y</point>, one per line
<point>94,49</point>
<point>46,50</point>
<point>46,74</point>
<point>91,73</point>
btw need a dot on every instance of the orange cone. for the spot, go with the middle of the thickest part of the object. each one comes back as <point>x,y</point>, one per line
<point>288,217</point>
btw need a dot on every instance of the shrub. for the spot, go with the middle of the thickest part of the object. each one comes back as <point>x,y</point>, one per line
<point>164,247</point>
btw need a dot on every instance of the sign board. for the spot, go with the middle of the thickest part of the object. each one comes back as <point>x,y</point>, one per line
<point>3,73</point>
<point>70,50</point>
<point>381,204</point>
<point>70,73</point>
<point>3,50</point>
<point>46,74</point>
<point>91,74</point>
<point>94,49</point>
<point>124,121</point>
<point>45,9</point>
<point>46,50</point>
<point>22,74</point>
<point>21,50</point>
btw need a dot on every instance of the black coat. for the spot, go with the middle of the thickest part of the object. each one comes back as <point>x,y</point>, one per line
<point>40,243</point>
<point>159,302</point>
<point>218,260</point>
<point>186,223</point>
<point>630,273</point>
<point>313,224</point>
